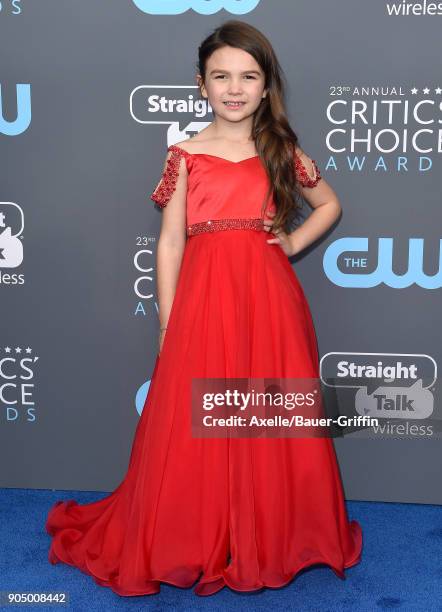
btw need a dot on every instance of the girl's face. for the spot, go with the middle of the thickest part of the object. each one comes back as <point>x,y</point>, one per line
<point>233,75</point>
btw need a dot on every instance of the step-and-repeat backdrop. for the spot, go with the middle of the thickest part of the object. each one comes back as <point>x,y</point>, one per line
<point>92,93</point>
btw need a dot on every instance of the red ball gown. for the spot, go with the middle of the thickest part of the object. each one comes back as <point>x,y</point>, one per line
<point>209,512</point>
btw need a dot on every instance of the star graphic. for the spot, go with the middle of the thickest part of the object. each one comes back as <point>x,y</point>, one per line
<point>426,91</point>
<point>414,91</point>
<point>438,90</point>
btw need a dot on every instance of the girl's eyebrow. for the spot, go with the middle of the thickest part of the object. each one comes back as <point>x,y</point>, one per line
<point>227,72</point>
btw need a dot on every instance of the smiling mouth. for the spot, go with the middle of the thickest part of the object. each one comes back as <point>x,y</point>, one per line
<point>233,103</point>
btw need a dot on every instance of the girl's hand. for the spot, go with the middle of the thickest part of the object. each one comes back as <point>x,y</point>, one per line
<point>268,223</point>
<point>281,238</point>
<point>284,242</point>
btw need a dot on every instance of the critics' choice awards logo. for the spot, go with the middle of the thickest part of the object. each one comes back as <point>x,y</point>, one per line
<point>17,372</point>
<point>393,387</point>
<point>144,268</point>
<point>384,129</point>
<point>11,246</point>
<point>22,113</point>
<point>204,7</point>
<point>348,262</point>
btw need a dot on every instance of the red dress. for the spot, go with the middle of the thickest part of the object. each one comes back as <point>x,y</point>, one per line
<point>247,512</point>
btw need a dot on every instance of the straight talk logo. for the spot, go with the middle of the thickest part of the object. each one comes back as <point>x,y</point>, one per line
<point>413,9</point>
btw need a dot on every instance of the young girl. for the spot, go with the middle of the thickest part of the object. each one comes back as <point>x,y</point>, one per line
<point>214,511</point>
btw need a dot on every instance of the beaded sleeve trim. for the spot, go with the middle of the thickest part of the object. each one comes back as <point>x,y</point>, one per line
<point>167,185</point>
<point>303,176</point>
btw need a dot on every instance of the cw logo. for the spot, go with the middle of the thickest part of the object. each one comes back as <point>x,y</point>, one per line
<point>353,247</point>
<point>23,119</point>
<point>204,7</point>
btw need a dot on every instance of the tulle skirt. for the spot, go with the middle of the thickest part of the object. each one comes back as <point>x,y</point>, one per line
<point>242,512</point>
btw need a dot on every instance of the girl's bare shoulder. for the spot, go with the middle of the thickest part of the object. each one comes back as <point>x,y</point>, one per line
<point>196,143</point>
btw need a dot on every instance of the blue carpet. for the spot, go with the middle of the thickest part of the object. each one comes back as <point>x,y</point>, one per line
<point>401,565</point>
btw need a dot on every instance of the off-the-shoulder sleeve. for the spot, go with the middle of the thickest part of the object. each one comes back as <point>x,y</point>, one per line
<point>167,184</point>
<point>302,174</point>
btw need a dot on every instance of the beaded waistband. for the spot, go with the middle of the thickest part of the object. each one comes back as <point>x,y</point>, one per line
<point>216,225</point>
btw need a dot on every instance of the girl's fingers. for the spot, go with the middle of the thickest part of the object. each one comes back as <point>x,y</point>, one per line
<point>268,226</point>
<point>269,222</point>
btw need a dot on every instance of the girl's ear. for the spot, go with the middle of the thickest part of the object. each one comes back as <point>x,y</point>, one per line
<point>200,84</point>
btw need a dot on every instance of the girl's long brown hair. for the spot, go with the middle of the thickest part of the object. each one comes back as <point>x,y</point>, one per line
<point>274,139</point>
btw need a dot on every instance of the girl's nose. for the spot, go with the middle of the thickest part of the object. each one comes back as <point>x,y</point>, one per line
<point>235,87</point>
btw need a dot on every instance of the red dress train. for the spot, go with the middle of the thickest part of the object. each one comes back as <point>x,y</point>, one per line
<point>246,512</point>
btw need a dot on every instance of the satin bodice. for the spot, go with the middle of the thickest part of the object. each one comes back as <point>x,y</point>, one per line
<point>218,188</point>
<point>221,189</point>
